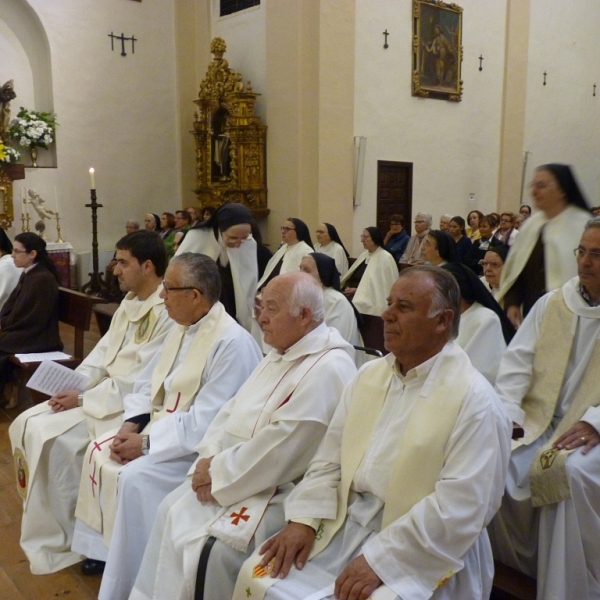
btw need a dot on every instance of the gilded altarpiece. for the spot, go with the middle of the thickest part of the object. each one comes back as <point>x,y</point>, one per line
<point>230,141</point>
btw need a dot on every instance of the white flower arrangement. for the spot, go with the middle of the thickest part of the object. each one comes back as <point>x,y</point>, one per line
<point>8,155</point>
<point>32,129</point>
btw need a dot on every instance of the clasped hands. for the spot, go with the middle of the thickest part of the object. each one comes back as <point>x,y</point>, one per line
<point>202,481</point>
<point>64,400</point>
<point>292,546</point>
<point>127,444</point>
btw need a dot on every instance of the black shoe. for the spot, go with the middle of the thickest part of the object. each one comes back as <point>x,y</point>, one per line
<point>92,567</point>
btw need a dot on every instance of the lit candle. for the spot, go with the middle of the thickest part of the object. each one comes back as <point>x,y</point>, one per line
<point>55,201</point>
<point>92,179</point>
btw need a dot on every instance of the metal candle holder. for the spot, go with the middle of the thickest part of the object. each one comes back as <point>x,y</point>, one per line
<point>96,284</point>
<point>59,240</point>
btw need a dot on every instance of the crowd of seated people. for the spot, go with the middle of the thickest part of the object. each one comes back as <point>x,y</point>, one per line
<point>215,470</point>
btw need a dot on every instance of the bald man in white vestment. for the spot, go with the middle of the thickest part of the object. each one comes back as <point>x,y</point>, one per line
<point>202,364</point>
<point>548,525</point>
<point>259,444</point>
<point>411,470</point>
<point>49,440</point>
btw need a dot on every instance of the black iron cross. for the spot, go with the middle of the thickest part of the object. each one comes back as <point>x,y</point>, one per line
<point>386,45</point>
<point>480,62</point>
<point>545,77</point>
<point>123,39</point>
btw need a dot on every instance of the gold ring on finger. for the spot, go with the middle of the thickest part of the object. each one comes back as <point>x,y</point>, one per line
<point>583,439</point>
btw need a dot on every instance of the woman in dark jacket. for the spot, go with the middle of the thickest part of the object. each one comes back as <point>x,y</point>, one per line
<point>29,318</point>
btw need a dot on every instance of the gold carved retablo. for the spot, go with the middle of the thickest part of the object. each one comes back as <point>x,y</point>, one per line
<point>230,141</point>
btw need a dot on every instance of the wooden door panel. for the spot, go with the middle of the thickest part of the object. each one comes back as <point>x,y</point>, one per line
<point>394,193</point>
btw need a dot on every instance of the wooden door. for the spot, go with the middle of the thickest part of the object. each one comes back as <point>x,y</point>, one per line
<point>394,193</point>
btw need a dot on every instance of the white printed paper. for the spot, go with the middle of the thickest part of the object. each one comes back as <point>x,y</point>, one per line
<point>40,356</point>
<point>51,378</point>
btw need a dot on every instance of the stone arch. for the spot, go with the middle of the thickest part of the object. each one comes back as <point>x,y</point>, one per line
<point>24,22</point>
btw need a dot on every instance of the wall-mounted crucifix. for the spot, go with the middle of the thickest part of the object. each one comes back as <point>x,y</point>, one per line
<point>545,77</point>
<point>480,62</point>
<point>386,45</point>
<point>123,39</point>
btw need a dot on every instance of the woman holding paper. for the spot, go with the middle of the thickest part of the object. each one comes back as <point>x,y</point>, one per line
<point>29,318</point>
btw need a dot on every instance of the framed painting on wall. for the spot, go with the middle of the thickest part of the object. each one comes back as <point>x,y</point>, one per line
<point>437,50</point>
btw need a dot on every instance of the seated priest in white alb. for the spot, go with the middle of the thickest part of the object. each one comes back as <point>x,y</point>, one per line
<point>202,364</point>
<point>226,238</point>
<point>49,440</point>
<point>411,470</point>
<point>259,444</point>
<point>548,526</point>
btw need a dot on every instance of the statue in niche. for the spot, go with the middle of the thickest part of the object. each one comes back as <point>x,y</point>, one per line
<point>221,143</point>
<point>44,213</point>
<point>7,93</point>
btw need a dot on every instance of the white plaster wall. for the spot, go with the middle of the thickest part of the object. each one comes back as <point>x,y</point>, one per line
<point>563,117</point>
<point>245,34</point>
<point>14,60</point>
<point>454,147</point>
<point>117,114</point>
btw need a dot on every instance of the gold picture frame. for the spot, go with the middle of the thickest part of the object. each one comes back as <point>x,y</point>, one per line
<point>437,50</point>
<point>6,201</point>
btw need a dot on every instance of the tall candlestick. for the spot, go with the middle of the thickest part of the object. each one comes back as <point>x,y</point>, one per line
<point>92,179</point>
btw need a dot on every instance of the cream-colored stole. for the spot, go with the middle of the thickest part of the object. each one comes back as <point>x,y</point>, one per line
<point>99,471</point>
<point>132,311</point>
<point>27,451</point>
<point>547,475</point>
<point>186,382</point>
<point>420,458</point>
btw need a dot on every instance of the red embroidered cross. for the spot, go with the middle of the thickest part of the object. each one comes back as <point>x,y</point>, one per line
<point>98,446</point>
<point>94,482</point>
<point>176,404</point>
<point>239,516</point>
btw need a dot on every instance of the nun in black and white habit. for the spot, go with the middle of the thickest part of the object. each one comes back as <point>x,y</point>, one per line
<point>226,238</point>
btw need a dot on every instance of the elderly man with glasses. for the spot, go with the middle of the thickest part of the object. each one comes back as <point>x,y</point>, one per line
<point>548,525</point>
<point>203,362</point>
<point>414,251</point>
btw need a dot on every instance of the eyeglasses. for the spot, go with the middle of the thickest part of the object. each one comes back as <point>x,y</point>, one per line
<point>15,251</point>
<point>169,289</point>
<point>540,185</point>
<point>494,265</point>
<point>582,252</point>
<point>416,222</point>
<point>286,229</point>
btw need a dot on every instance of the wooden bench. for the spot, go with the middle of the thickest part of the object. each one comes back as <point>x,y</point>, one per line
<point>372,333</point>
<point>104,314</point>
<point>74,309</point>
<point>510,584</point>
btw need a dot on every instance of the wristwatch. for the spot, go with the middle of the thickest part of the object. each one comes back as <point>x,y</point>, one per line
<point>80,399</point>
<point>145,444</point>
